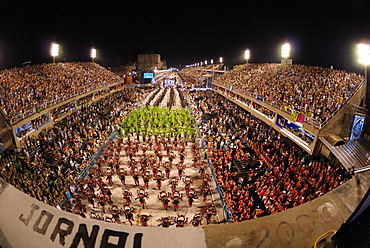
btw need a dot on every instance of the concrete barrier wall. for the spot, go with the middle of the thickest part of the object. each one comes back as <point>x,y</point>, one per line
<point>296,227</point>
<point>26,222</point>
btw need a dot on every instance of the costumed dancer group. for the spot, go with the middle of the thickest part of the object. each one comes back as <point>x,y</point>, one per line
<point>149,143</point>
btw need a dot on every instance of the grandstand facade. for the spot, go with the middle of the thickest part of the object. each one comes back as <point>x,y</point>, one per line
<point>25,114</point>
<point>316,129</point>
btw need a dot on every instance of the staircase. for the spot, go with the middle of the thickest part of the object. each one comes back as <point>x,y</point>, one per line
<point>354,153</point>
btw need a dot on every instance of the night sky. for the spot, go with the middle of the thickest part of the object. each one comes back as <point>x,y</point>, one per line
<point>321,33</point>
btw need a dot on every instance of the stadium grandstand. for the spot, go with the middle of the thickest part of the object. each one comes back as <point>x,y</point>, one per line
<point>47,84</point>
<point>315,107</point>
<point>264,148</point>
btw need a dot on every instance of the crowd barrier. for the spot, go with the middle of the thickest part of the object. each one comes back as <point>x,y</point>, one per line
<point>35,224</point>
<point>219,189</point>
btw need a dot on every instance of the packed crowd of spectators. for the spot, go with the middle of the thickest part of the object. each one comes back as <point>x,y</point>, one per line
<point>29,87</point>
<point>285,177</point>
<point>46,165</point>
<point>316,92</point>
<point>197,76</point>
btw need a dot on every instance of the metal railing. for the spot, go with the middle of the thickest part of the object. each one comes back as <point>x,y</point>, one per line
<point>219,189</point>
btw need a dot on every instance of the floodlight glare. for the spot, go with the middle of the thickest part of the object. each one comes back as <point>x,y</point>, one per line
<point>93,53</point>
<point>247,55</point>
<point>54,50</point>
<point>285,50</point>
<point>221,60</point>
<point>363,54</point>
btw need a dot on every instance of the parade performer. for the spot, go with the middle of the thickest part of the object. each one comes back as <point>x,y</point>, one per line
<point>167,169</point>
<point>135,176</point>
<point>196,220</point>
<point>146,177</point>
<point>129,213</point>
<point>141,195</point>
<point>163,197</point>
<point>191,194</point>
<point>181,220</point>
<point>187,181</point>
<point>159,178</point>
<point>144,218</point>
<point>165,221</point>
<point>176,198</point>
<point>181,169</point>
<point>209,211</point>
<point>126,194</point>
<point>173,182</point>
<point>116,213</point>
<point>122,175</point>
<point>109,177</point>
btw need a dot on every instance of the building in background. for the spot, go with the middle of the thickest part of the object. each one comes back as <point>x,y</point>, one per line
<point>149,62</point>
<point>145,63</point>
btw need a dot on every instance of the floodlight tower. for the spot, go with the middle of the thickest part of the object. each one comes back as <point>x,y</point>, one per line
<point>54,50</point>
<point>213,73</point>
<point>222,62</point>
<point>93,54</point>
<point>247,55</point>
<point>285,54</point>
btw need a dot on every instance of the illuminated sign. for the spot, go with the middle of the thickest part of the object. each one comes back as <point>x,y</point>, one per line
<point>357,126</point>
<point>148,75</point>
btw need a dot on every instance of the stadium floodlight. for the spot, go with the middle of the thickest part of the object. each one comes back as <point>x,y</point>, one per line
<point>247,55</point>
<point>205,62</point>
<point>212,61</point>
<point>363,54</point>
<point>93,54</point>
<point>54,50</point>
<point>221,60</point>
<point>285,51</point>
